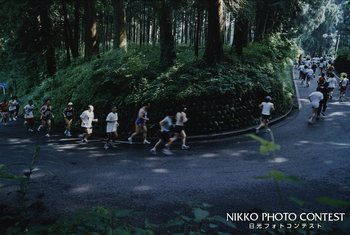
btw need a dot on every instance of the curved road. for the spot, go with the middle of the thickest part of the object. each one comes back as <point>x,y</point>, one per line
<point>71,175</point>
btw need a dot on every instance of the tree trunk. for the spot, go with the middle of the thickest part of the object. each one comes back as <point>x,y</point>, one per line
<point>76,39</point>
<point>120,38</point>
<point>154,27</point>
<point>91,35</point>
<point>241,34</point>
<point>214,51</point>
<point>167,44</point>
<point>67,31</point>
<point>47,36</point>
<point>198,29</point>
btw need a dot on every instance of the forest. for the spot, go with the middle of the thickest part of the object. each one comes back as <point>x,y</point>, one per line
<point>212,53</point>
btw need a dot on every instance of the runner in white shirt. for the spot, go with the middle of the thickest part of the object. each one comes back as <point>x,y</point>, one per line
<point>315,98</point>
<point>12,109</point>
<point>87,117</point>
<point>111,128</point>
<point>181,119</point>
<point>266,107</point>
<point>343,85</point>
<point>332,83</point>
<point>309,76</point>
<point>29,115</point>
<point>165,134</point>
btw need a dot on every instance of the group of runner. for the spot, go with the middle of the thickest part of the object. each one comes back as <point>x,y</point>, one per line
<point>9,110</point>
<point>326,84</point>
<point>169,131</point>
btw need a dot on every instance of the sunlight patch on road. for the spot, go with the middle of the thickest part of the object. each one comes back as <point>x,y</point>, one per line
<point>22,141</point>
<point>209,155</point>
<point>278,160</point>
<point>160,170</point>
<point>338,114</point>
<point>82,189</point>
<point>142,188</point>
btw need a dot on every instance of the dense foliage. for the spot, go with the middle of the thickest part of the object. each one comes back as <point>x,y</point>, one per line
<point>342,62</point>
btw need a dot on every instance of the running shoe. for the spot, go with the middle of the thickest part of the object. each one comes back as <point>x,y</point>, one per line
<point>84,140</point>
<point>39,128</point>
<point>130,140</point>
<point>185,147</point>
<point>167,152</point>
<point>30,130</point>
<point>146,142</point>
<point>47,135</point>
<point>153,151</point>
<point>106,146</point>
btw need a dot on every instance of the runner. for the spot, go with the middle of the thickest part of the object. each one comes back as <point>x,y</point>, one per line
<point>315,99</point>
<point>140,124</point>
<point>181,119</point>
<point>321,80</point>
<point>323,103</point>
<point>111,128</point>
<point>29,115</point>
<point>87,117</point>
<point>303,73</point>
<point>343,84</point>
<point>4,111</point>
<point>266,106</point>
<point>309,75</point>
<point>68,114</point>
<point>46,116</point>
<point>165,135</point>
<point>13,108</point>
<point>332,83</point>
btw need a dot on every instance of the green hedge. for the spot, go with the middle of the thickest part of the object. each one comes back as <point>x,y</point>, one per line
<point>220,98</point>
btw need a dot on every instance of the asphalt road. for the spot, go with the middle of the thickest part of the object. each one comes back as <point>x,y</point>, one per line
<point>71,175</point>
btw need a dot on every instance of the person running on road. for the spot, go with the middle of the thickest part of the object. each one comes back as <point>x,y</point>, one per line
<point>303,73</point>
<point>68,115</point>
<point>267,106</point>
<point>343,84</point>
<point>309,76</point>
<point>165,135</point>
<point>315,98</point>
<point>323,103</point>
<point>111,128</point>
<point>332,83</point>
<point>181,119</point>
<point>87,117</point>
<point>4,112</point>
<point>29,120</point>
<point>140,124</point>
<point>321,80</point>
<point>13,108</point>
<point>46,116</point>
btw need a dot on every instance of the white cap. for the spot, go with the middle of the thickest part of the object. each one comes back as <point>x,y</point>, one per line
<point>91,107</point>
<point>70,104</point>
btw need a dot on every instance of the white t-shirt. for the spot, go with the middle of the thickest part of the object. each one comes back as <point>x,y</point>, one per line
<point>266,108</point>
<point>112,122</point>
<point>315,98</point>
<point>12,105</point>
<point>344,82</point>
<point>310,72</point>
<point>28,111</point>
<point>87,118</point>
<point>180,118</point>
<point>332,82</point>
<point>167,123</point>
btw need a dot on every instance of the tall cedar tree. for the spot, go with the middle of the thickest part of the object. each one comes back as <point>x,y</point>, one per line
<point>214,51</point>
<point>119,14</point>
<point>91,35</point>
<point>46,36</point>
<point>167,43</point>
